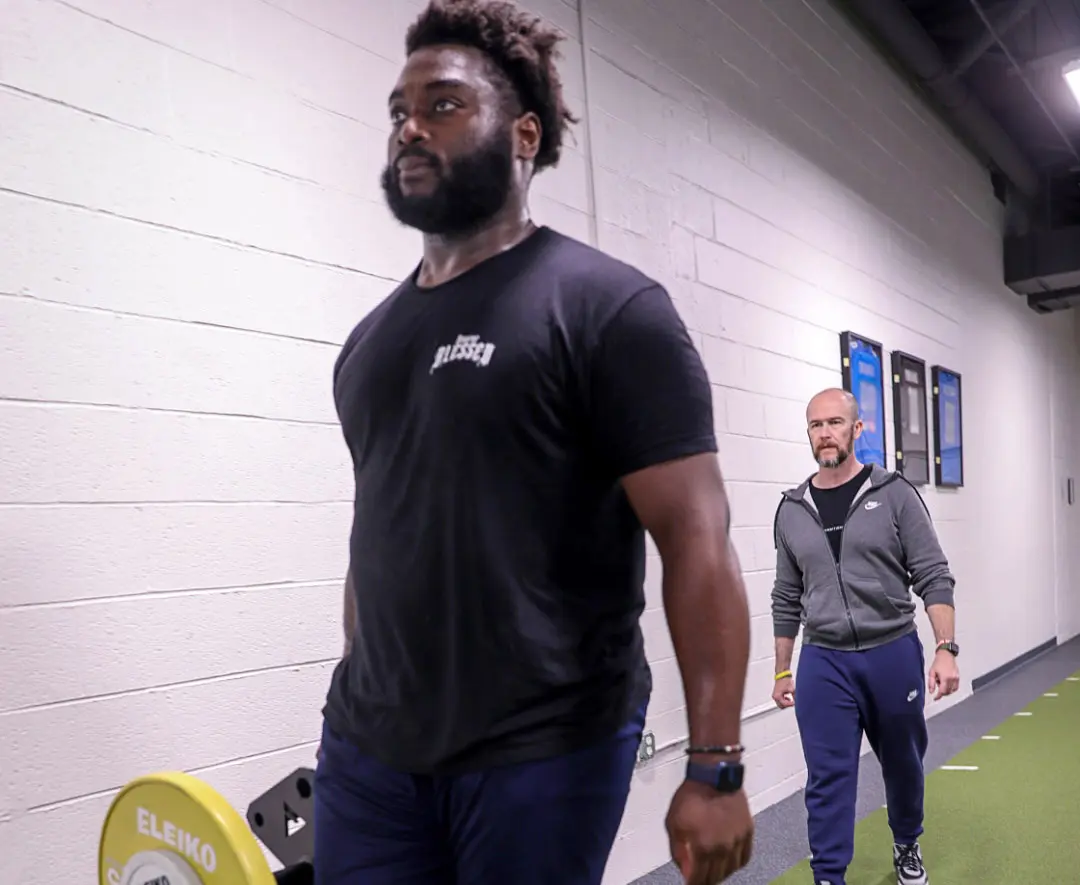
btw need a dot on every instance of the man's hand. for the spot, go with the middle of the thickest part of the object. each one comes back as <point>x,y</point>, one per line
<point>944,676</point>
<point>711,834</point>
<point>783,693</point>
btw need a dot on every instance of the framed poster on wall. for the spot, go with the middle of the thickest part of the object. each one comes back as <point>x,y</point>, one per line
<point>948,427</point>
<point>864,377</point>
<point>910,417</point>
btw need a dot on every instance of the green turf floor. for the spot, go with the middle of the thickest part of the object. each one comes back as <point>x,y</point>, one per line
<point>1013,821</point>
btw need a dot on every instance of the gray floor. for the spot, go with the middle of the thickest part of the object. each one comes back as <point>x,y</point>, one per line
<point>780,831</point>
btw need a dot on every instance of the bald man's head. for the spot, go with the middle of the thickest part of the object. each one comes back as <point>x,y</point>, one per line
<point>832,424</point>
<point>833,399</point>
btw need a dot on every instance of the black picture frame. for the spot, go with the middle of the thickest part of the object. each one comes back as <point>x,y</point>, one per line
<point>947,391</point>
<point>863,371</point>
<point>911,417</point>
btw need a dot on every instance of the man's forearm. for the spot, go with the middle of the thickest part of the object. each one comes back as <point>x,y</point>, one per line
<point>709,619</point>
<point>785,649</point>
<point>349,613</point>
<point>943,620</point>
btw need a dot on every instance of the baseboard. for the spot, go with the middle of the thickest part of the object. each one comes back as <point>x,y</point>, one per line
<point>1015,664</point>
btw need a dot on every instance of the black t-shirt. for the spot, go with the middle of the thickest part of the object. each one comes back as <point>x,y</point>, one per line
<point>833,506</point>
<point>497,564</point>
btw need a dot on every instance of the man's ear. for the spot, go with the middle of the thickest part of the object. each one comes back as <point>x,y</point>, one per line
<point>527,135</point>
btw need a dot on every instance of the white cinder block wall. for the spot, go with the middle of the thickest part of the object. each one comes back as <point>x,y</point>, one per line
<point>191,224</point>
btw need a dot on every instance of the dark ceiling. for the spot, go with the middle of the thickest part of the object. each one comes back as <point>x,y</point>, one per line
<point>994,69</point>
<point>1018,79</point>
<point>1005,55</point>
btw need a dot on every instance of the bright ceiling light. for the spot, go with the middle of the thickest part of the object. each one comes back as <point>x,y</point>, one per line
<point>1071,73</point>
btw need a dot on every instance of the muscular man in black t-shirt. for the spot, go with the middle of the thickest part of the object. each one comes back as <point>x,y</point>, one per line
<point>519,411</point>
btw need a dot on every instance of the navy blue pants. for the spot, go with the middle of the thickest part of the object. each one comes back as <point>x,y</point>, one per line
<point>551,822</point>
<point>838,696</point>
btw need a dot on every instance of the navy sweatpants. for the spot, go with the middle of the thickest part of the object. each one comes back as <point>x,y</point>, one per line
<point>838,696</point>
<point>539,823</point>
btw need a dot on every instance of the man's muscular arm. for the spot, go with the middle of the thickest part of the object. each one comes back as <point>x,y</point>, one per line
<point>683,505</point>
<point>651,414</point>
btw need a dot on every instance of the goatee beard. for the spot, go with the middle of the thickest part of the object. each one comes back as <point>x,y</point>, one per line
<point>835,460</point>
<point>469,192</point>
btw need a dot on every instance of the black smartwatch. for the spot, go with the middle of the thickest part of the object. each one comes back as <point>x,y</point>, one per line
<point>724,777</point>
<point>949,646</point>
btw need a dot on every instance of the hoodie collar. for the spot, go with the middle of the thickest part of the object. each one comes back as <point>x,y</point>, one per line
<point>878,476</point>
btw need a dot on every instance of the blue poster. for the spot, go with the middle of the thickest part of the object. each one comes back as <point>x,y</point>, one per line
<point>950,429</point>
<point>867,382</point>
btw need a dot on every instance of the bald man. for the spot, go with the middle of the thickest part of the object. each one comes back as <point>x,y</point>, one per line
<point>852,543</point>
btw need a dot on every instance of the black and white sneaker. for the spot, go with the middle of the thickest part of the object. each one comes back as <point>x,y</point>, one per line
<point>907,860</point>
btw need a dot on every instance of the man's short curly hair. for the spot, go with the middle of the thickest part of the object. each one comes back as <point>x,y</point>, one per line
<point>523,50</point>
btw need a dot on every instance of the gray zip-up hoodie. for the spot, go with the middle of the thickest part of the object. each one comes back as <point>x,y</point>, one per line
<point>888,549</point>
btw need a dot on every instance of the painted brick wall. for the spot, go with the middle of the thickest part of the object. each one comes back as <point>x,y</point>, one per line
<point>185,184</point>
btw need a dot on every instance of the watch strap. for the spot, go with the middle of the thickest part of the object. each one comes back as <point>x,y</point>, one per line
<point>724,777</point>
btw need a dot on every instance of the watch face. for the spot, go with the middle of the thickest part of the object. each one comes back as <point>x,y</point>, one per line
<point>731,778</point>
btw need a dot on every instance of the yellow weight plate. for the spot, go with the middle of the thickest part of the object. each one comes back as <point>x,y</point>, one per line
<point>173,829</point>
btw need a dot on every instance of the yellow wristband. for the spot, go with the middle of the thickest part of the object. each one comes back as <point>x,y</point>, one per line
<point>782,675</point>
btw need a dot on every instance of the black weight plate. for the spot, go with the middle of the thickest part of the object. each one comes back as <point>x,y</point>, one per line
<point>283,818</point>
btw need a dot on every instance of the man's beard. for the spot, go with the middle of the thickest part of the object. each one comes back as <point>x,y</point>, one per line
<point>468,192</point>
<point>843,452</point>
